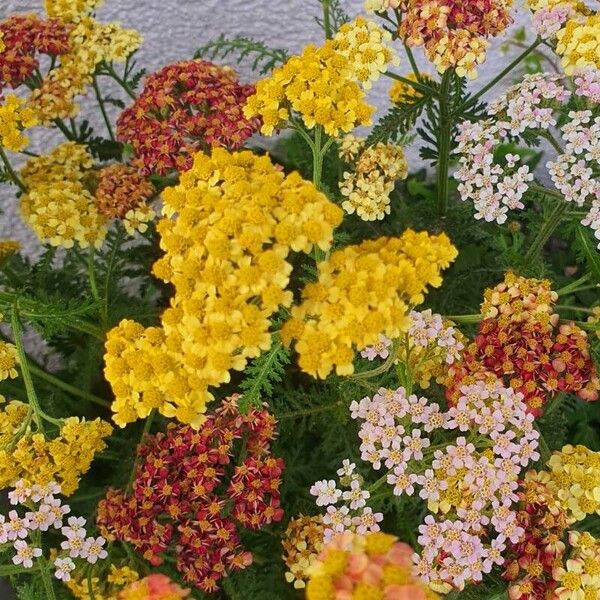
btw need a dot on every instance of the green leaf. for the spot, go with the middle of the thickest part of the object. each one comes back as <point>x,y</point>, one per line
<point>263,59</point>
<point>398,121</point>
<point>588,251</point>
<point>265,370</point>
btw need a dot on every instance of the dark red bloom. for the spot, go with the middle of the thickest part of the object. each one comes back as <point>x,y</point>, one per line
<point>186,496</point>
<point>185,107</point>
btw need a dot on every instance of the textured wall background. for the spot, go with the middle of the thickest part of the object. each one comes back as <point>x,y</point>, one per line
<point>174,29</point>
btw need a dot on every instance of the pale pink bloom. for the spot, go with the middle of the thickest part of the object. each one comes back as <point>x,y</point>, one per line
<point>21,492</point>
<point>16,527</point>
<point>25,554</point>
<point>75,527</point>
<point>93,549</point>
<point>356,495</point>
<point>380,349</point>
<point>64,567</point>
<point>326,492</point>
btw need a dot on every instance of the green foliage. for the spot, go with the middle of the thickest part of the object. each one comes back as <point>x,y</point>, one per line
<point>586,251</point>
<point>262,373</point>
<point>337,15</point>
<point>262,58</point>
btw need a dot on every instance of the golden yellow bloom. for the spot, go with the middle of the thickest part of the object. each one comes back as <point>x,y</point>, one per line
<point>302,542</point>
<point>90,44</point>
<point>595,318</point>
<point>578,42</point>
<point>575,480</point>
<point>71,10</point>
<point>63,459</point>
<point>404,92</point>
<point>14,117</point>
<point>362,291</point>
<point>366,47</point>
<point>58,206</point>
<point>2,45</point>
<point>461,51</point>
<point>376,169</point>
<point>107,588</point>
<point>8,361</point>
<point>236,218</point>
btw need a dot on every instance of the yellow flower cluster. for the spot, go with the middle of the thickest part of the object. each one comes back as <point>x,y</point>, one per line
<point>302,542</point>
<point>575,480</point>
<point>519,299</point>
<point>366,47</point>
<point>404,92</point>
<point>63,459</point>
<point>8,361</point>
<point>365,567</point>
<point>320,84</point>
<point>461,51</point>
<point>105,589</point>
<point>71,10</point>
<point>237,217</point>
<point>362,291</point>
<point>14,117</point>
<point>2,44</point>
<point>376,169</point>
<point>578,42</point>
<point>381,5</point>
<point>579,577</point>
<point>58,206</point>
<point>8,248</point>
<point>90,44</point>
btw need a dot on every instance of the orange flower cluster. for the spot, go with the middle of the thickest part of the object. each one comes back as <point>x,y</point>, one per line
<point>454,34</point>
<point>186,107</point>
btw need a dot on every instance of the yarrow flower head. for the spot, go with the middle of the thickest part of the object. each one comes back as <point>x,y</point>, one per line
<point>63,459</point>
<point>237,218</point>
<point>404,93</point>
<point>184,108</point>
<point>469,486</point>
<point>454,34</point>
<point>370,566</point>
<point>522,343</point>
<point>322,84</point>
<point>373,178</point>
<point>183,496</point>
<point>154,587</point>
<point>377,281</point>
<point>14,117</point>
<point>302,542</point>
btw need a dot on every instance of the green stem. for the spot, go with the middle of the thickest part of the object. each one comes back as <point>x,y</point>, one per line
<point>547,135</point>
<point>546,231</point>
<point>309,411</point>
<point>66,132</point>
<point>412,61</point>
<point>25,372</point>
<point>575,286</point>
<point>11,172</point>
<point>145,431</point>
<point>112,73</point>
<point>326,18</point>
<point>417,85</point>
<point>575,308</point>
<point>102,108</point>
<point>47,578</point>
<point>473,99</point>
<point>317,158</point>
<point>94,285</point>
<point>444,142</point>
<point>386,366</point>
<point>475,318</point>
<point>67,387</point>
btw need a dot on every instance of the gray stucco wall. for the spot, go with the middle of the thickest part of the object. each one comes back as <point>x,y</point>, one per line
<point>174,29</point>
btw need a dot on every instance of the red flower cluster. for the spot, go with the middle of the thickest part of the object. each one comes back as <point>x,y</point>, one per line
<point>180,495</point>
<point>185,107</point>
<point>24,36</point>
<point>523,344</point>
<point>535,359</point>
<point>530,562</point>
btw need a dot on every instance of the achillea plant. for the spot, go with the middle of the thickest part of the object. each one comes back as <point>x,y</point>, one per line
<point>315,365</point>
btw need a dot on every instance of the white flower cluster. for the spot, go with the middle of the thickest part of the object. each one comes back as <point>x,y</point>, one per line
<point>354,515</point>
<point>372,6</point>
<point>496,185</point>
<point>573,172</point>
<point>46,512</point>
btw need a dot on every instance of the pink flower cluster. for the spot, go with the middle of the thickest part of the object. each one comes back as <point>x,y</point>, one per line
<point>550,20</point>
<point>497,188</point>
<point>469,485</point>
<point>535,106</point>
<point>427,328</point>
<point>47,512</point>
<point>353,516</point>
<point>380,349</point>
